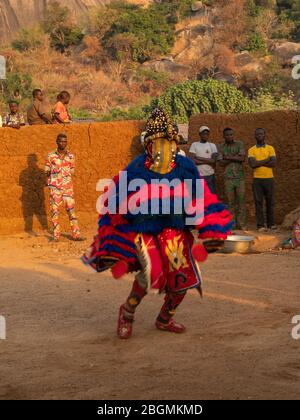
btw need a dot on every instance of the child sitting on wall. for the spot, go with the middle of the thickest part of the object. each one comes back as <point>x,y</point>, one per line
<point>61,112</point>
<point>14,119</point>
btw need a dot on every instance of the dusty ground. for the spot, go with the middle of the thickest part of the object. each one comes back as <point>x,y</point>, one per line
<point>61,322</point>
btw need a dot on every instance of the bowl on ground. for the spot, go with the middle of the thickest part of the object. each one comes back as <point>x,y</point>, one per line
<point>238,243</point>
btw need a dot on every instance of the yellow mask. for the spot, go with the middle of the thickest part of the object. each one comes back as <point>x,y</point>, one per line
<point>163,154</point>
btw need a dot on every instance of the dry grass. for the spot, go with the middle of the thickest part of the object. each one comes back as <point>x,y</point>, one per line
<point>93,90</point>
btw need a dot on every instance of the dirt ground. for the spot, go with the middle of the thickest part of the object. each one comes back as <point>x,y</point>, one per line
<point>61,321</point>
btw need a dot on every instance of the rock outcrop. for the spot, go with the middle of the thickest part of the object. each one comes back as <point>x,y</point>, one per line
<point>194,38</point>
<point>286,51</point>
<point>165,64</point>
<point>291,218</point>
<point>15,14</point>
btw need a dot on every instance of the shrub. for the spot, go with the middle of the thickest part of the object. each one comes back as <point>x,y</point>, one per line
<point>132,113</point>
<point>80,114</point>
<point>292,10</point>
<point>28,39</point>
<point>256,43</point>
<point>63,33</point>
<point>146,32</point>
<point>159,77</point>
<point>264,100</point>
<point>17,86</point>
<point>206,96</point>
<point>141,33</point>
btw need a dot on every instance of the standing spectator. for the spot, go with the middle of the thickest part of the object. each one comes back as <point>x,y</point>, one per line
<point>14,119</point>
<point>61,112</point>
<point>59,168</point>
<point>181,142</point>
<point>262,159</point>
<point>36,113</point>
<point>232,156</point>
<point>205,155</point>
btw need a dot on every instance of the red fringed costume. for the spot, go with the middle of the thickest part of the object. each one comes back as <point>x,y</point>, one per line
<point>157,244</point>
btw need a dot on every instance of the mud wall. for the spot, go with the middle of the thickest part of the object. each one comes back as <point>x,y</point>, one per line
<point>101,150</point>
<point>283,132</point>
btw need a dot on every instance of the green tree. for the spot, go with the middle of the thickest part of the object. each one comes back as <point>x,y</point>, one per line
<point>57,23</point>
<point>256,43</point>
<point>117,114</point>
<point>145,33</point>
<point>206,96</point>
<point>174,10</point>
<point>292,9</point>
<point>264,100</point>
<point>28,39</point>
<point>17,86</point>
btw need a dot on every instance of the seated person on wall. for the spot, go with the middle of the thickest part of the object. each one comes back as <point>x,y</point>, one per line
<point>14,119</point>
<point>61,112</point>
<point>36,113</point>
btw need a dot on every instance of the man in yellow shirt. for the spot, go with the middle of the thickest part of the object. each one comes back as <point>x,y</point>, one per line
<point>262,159</point>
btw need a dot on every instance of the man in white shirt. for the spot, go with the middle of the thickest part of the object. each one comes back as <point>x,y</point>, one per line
<point>205,155</point>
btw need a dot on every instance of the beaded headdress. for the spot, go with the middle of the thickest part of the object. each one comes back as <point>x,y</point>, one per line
<point>159,125</point>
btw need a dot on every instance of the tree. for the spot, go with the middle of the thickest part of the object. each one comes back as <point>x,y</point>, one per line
<point>257,43</point>
<point>224,59</point>
<point>17,86</point>
<point>123,47</point>
<point>144,33</point>
<point>28,39</point>
<point>93,52</point>
<point>206,96</point>
<point>292,9</point>
<point>264,100</point>
<point>227,31</point>
<point>174,10</point>
<point>62,31</point>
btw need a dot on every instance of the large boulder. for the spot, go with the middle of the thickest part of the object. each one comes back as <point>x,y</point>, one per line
<point>198,7</point>
<point>193,43</point>
<point>165,64</point>
<point>15,14</point>
<point>291,218</point>
<point>286,51</point>
<point>243,58</point>
<point>250,66</point>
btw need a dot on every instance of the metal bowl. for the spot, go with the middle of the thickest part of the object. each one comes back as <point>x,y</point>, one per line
<point>238,243</point>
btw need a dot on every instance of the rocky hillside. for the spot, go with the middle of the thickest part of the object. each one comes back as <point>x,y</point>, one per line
<point>15,14</point>
<point>116,67</point>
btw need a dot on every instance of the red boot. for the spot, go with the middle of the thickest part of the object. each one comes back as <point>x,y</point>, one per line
<point>124,330</point>
<point>171,326</point>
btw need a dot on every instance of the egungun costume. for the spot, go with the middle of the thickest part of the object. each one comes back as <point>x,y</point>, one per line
<point>158,243</point>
